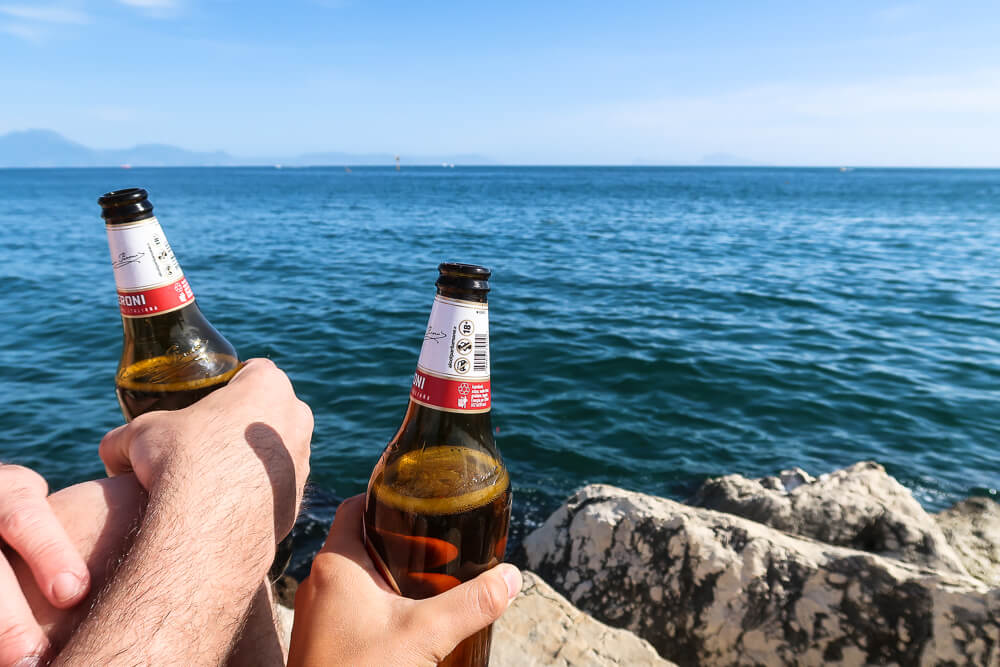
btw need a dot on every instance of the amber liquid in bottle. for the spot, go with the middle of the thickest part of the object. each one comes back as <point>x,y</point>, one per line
<point>438,504</point>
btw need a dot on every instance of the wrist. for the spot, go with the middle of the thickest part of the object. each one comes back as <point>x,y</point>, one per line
<point>230,515</point>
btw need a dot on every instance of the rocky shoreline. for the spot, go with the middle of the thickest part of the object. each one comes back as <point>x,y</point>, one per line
<point>842,569</point>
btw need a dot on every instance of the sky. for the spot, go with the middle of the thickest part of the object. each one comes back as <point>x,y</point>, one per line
<point>657,82</point>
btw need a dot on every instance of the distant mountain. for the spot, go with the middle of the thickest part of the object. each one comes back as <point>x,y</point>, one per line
<point>42,148</point>
<point>45,148</point>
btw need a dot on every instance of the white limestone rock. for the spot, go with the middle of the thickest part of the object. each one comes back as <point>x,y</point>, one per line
<point>284,618</point>
<point>861,507</point>
<point>541,628</point>
<point>972,528</point>
<point>707,588</point>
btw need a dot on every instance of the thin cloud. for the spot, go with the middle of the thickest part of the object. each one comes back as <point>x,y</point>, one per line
<point>44,14</point>
<point>22,31</point>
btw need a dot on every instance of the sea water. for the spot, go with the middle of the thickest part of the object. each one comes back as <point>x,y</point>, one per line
<point>651,327</point>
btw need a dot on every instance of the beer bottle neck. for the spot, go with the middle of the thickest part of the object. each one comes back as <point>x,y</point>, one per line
<point>147,274</point>
<point>450,397</point>
<point>453,373</point>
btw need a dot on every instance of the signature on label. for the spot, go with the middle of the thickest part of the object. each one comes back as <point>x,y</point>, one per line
<point>125,259</point>
<point>434,335</point>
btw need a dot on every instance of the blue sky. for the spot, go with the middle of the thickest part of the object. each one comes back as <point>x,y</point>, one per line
<point>846,83</point>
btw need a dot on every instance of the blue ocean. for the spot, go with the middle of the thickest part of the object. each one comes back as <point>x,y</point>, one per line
<point>650,327</point>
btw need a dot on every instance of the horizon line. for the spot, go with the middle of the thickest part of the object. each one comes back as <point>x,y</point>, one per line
<point>421,165</point>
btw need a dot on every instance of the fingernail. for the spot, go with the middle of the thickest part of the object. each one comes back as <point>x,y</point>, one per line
<point>29,661</point>
<point>511,577</point>
<point>66,586</point>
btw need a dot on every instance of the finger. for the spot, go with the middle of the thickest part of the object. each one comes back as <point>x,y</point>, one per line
<point>465,609</point>
<point>251,367</point>
<point>113,451</point>
<point>345,541</point>
<point>30,527</point>
<point>345,533</point>
<point>20,635</point>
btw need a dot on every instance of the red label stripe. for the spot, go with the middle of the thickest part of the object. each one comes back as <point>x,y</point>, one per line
<point>454,395</point>
<point>157,300</point>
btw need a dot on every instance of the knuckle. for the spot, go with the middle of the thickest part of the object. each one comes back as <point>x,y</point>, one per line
<point>306,413</point>
<point>46,550</point>
<point>143,424</point>
<point>437,648</point>
<point>324,574</point>
<point>19,523</point>
<point>17,641</point>
<point>107,442</point>
<point>421,637</point>
<point>24,479</point>
<point>489,598</point>
<point>262,365</point>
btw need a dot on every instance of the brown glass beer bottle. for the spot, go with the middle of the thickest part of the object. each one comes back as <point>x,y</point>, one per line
<point>171,355</point>
<point>438,503</point>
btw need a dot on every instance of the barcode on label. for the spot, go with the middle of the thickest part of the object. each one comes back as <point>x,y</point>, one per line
<point>482,346</point>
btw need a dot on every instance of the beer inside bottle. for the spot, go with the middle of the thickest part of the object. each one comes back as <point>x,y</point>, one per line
<point>438,503</point>
<point>171,355</point>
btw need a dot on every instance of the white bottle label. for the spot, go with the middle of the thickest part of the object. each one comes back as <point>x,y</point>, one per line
<point>148,276</point>
<point>453,373</point>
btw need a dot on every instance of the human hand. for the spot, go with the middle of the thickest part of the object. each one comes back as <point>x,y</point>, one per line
<point>29,527</point>
<point>346,614</point>
<point>249,438</point>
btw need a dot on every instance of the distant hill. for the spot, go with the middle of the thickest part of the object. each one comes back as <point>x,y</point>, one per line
<point>45,148</point>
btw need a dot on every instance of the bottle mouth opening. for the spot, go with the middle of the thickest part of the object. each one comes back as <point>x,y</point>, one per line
<point>465,270</point>
<point>125,196</point>
<point>455,275</point>
<point>125,205</point>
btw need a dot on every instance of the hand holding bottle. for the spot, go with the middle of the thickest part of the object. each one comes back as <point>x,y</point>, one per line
<point>346,613</point>
<point>259,459</point>
<point>439,498</point>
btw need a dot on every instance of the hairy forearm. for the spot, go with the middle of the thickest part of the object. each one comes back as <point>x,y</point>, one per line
<point>183,591</point>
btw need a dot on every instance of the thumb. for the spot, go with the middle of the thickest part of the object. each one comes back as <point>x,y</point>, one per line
<point>464,610</point>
